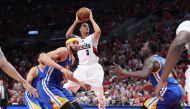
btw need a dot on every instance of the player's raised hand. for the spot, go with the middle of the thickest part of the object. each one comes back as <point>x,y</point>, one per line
<point>32,91</point>
<point>77,19</point>
<point>159,89</point>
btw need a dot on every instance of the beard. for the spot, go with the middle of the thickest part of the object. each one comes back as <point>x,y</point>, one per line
<point>72,50</point>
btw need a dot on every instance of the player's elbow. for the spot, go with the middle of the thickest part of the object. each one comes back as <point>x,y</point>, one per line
<point>3,63</point>
<point>144,76</point>
<point>68,35</point>
<point>98,32</point>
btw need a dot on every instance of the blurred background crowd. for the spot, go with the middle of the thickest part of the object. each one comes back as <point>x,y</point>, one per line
<point>158,20</point>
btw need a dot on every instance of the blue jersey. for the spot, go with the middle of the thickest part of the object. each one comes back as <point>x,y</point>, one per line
<point>33,102</point>
<point>50,90</point>
<point>171,94</point>
<point>55,76</point>
<point>155,76</point>
<point>35,79</point>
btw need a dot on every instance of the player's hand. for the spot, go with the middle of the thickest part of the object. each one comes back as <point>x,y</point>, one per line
<point>67,73</point>
<point>85,85</point>
<point>91,16</point>
<point>32,91</point>
<point>116,69</point>
<point>159,89</point>
<point>77,19</point>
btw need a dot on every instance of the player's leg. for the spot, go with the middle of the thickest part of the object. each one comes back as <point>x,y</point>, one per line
<point>100,95</point>
<point>95,79</point>
<point>52,96</point>
<point>71,99</point>
<point>188,97</point>
<point>79,74</point>
<point>71,86</point>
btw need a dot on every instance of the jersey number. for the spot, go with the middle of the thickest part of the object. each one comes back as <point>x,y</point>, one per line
<point>87,52</point>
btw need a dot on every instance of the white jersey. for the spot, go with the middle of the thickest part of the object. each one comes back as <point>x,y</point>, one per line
<point>86,54</point>
<point>184,26</point>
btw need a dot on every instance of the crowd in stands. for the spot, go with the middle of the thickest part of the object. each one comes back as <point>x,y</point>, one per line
<point>118,90</point>
<point>47,16</point>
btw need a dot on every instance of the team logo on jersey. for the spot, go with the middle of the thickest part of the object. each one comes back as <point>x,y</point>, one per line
<point>84,46</point>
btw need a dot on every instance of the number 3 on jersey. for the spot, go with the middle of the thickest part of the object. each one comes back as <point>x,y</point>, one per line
<point>87,52</point>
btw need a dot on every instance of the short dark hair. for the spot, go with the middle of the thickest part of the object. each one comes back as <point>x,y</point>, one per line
<point>153,46</point>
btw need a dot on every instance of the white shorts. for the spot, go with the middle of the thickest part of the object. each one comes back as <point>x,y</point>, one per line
<point>92,74</point>
<point>187,81</point>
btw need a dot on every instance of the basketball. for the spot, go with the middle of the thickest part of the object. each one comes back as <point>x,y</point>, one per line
<point>83,14</point>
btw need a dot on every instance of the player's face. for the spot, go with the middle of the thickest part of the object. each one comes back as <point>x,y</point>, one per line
<point>74,46</point>
<point>145,48</point>
<point>84,28</point>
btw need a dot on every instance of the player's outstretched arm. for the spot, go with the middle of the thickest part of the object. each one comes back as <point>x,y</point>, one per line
<point>50,57</point>
<point>97,30</point>
<point>143,74</point>
<point>172,57</point>
<point>174,53</point>
<point>11,71</point>
<point>71,29</point>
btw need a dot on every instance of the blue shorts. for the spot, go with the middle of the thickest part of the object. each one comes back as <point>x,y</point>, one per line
<point>172,95</point>
<point>33,102</point>
<point>53,96</point>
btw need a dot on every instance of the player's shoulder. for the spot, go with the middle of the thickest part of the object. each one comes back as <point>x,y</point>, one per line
<point>151,59</point>
<point>184,26</point>
<point>33,69</point>
<point>62,49</point>
<point>185,22</point>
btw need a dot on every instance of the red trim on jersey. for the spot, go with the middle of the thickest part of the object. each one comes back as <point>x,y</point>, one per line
<point>95,51</point>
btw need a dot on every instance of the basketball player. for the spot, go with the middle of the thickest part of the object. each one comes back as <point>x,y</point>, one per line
<point>58,63</point>
<point>11,71</point>
<point>175,50</point>
<point>32,78</point>
<point>153,68</point>
<point>187,75</point>
<point>89,70</point>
